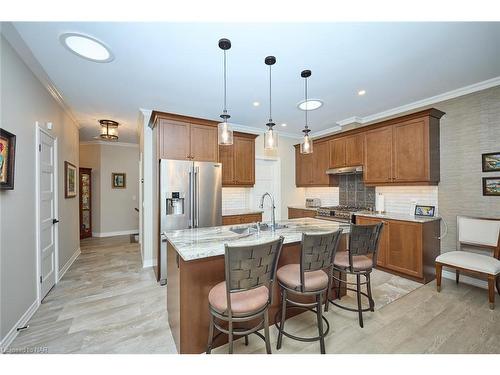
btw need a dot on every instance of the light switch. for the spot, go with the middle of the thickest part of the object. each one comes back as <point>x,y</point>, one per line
<point>49,125</point>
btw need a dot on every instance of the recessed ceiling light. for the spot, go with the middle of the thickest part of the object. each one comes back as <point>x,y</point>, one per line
<point>256,104</point>
<point>87,47</point>
<point>361,92</point>
<point>310,104</point>
<point>283,124</point>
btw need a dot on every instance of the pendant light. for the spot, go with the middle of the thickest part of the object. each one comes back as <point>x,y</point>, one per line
<point>109,130</point>
<point>271,135</point>
<point>306,147</point>
<point>225,131</point>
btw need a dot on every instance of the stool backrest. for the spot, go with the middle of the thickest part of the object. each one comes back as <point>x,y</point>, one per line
<point>479,232</point>
<point>318,252</point>
<point>252,266</point>
<point>363,240</point>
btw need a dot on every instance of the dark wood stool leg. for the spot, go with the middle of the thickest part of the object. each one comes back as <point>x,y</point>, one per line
<point>266,332</point>
<point>457,276</point>
<point>358,294</point>
<point>339,286</point>
<point>320,322</point>
<point>491,291</point>
<point>439,271</point>
<point>210,334</point>
<point>283,318</point>
<point>230,335</point>
<point>498,284</point>
<point>369,291</point>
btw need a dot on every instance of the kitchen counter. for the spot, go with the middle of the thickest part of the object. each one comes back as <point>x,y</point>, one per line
<point>198,243</point>
<point>397,216</point>
<point>299,207</point>
<point>241,211</point>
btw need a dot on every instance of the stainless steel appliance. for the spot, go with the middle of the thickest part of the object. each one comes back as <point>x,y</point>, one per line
<point>346,170</point>
<point>190,197</point>
<point>313,202</point>
<point>344,214</point>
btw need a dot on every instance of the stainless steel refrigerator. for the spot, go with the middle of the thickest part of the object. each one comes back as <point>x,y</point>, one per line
<point>190,197</point>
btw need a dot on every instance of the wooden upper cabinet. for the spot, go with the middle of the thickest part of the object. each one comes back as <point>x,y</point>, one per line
<point>303,168</point>
<point>173,138</point>
<point>354,150</point>
<point>204,144</point>
<point>337,153</point>
<point>238,161</point>
<point>378,156</point>
<point>320,163</point>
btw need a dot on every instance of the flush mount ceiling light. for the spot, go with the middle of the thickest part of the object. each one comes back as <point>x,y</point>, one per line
<point>283,124</point>
<point>86,47</point>
<point>256,104</point>
<point>310,104</point>
<point>270,136</point>
<point>361,92</point>
<point>306,146</point>
<point>109,130</point>
<point>225,131</point>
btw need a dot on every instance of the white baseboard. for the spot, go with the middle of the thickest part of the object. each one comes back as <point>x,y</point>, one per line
<point>147,263</point>
<point>68,264</point>
<point>118,233</point>
<point>466,279</point>
<point>7,340</point>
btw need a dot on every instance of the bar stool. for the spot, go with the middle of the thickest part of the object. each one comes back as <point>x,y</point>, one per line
<point>358,260</point>
<point>308,279</point>
<point>246,293</point>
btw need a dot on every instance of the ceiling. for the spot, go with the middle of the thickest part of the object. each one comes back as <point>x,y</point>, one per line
<point>177,67</point>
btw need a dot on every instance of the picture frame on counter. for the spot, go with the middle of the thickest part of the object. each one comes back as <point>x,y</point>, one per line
<point>427,211</point>
<point>491,162</point>
<point>491,186</point>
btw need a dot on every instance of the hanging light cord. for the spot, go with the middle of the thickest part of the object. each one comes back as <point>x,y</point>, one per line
<point>225,108</point>
<point>306,102</point>
<point>270,101</point>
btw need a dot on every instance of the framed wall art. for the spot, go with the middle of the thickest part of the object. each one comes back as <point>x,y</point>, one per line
<point>118,180</point>
<point>70,180</point>
<point>7,159</point>
<point>491,186</point>
<point>491,162</point>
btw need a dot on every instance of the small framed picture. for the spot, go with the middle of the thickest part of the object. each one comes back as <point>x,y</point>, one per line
<point>491,186</point>
<point>70,179</point>
<point>491,162</point>
<point>7,156</point>
<point>424,210</point>
<point>118,180</point>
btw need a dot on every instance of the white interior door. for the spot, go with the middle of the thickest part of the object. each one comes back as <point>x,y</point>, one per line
<point>267,180</point>
<point>47,213</point>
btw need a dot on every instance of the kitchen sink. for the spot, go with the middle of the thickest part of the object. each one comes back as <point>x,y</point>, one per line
<point>243,230</point>
<point>253,228</point>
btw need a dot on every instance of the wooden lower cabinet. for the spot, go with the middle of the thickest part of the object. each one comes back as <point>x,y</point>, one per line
<point>297,213</point>
<point>408,248</point>
<point>241,219</point>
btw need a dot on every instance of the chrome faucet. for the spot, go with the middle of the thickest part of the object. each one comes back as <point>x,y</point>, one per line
<point>273,218</point>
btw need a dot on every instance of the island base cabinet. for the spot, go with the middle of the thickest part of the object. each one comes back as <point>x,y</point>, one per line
<point>189,283</point>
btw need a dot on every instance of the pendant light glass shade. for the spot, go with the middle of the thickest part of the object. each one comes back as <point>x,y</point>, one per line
<point>306,146</point>
<point>270,139</point>
<point>271,135</point>
<point>109,130</point>
<point>225,130</point>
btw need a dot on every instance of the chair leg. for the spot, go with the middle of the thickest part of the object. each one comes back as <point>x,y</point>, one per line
<point>339,286</point>
<point>266,332</point>
<point>320,323</point>
<point>328,291</point>
<point>358,294</point>
<point>491,291</point>
<point>498,284</point>
<point>210,334</point>
<point>246,340</point>
<point>230,336</point>
<point>457,276</point>
<point>369,291</point>
<point>283,317</point>
<point>439,271</point>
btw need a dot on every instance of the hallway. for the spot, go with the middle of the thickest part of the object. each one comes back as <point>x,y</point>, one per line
<point>105,303</point>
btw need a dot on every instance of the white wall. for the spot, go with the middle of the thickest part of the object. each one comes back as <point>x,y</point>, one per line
<point>25,100</point>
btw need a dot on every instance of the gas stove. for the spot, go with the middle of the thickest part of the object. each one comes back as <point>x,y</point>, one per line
<point>340,213</point>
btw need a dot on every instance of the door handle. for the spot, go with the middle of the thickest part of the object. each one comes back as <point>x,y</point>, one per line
<point>191,203</point>
<point>55,221</point>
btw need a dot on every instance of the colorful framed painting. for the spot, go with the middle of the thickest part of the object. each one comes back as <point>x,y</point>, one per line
<point>491,186</point>
<point>70,180</point>
<point>491,162</point>
<point>425,210</point>
<point>7,159</point>
<point>118,180</point>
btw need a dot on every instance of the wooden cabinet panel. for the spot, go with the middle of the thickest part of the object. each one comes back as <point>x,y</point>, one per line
<point>378,156</point>
<point>241,219</point>
<point>383,245</point>
<point>320,164</point>
<point>337,153</point>
<point>354,145</point>
<point>411,151</point>
<point>244,161</point>
<point>405,249</point>
<point>204,145</point>
<point>297,213</point>
<point>303,168</point>
<point>173,139</point>
<point>226,157</point>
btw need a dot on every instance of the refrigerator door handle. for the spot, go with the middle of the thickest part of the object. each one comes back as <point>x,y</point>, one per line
<point>196,196</point>
<point>190,220</point>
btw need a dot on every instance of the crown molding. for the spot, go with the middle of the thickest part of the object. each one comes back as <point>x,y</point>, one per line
<point>97,142</point>
<point>19,45</point>
<point>479,86</point>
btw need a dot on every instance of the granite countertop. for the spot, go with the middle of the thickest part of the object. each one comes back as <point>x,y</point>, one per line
<point>241,211</point>
<point>198,243</point>
<point>397,216</point>
<point>301,207</point>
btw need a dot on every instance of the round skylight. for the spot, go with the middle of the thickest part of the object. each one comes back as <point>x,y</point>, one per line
<point>87,47</point>
<point>310,105</point>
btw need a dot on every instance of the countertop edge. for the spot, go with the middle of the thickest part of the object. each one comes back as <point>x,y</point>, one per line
<point>398,216</point>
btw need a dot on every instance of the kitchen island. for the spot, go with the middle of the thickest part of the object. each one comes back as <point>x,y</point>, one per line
<point>195,263</point>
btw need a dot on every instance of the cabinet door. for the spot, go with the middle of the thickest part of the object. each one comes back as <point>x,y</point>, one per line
<point>303,168</point>
<point>411,151</point>
<point>337,153</point>
<point>383,244</point>
<point>405,248</point>
<point>320,164</point>
<point>226,157</point>
<point>251,218</point>
<point>378,156</point>
<point>244,161</point>
<point>231,220</point>
<point>354,150</point>
<point>204,146</point>
<point>174,140</point>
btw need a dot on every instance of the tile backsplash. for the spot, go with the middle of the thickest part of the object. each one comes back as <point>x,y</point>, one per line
<point>235,198</point>
<point>399,199</point>
<point>329,196</point>
<point>353,192</point>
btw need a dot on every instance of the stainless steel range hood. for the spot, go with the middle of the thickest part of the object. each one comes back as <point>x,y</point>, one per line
<point>345,170</point>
